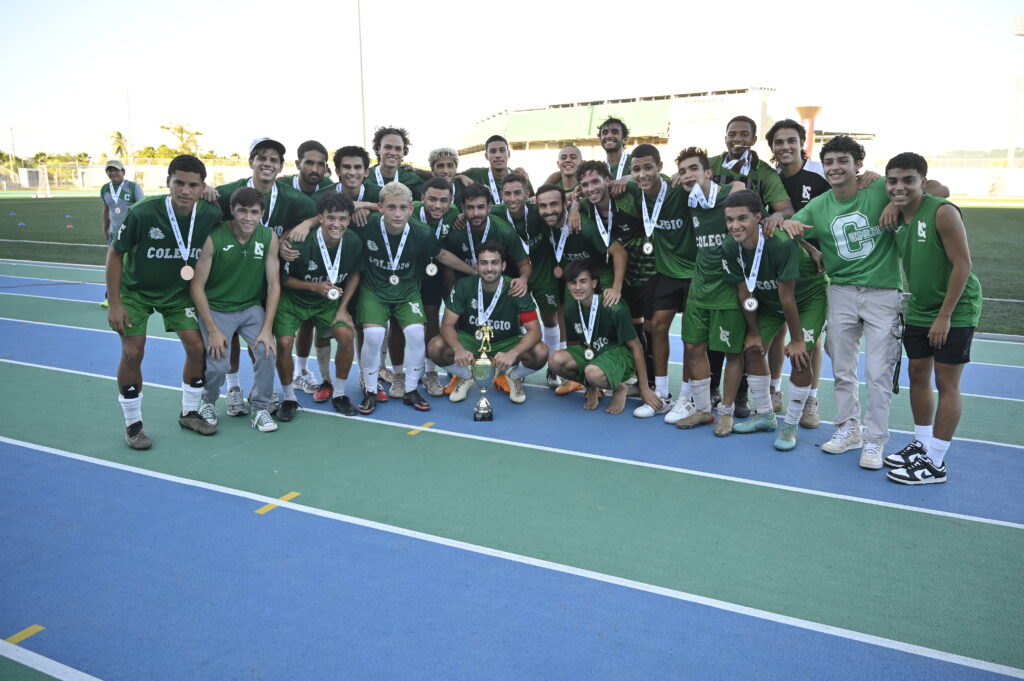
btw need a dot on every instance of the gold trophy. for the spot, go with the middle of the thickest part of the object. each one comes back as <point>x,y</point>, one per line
<point>483,372</point>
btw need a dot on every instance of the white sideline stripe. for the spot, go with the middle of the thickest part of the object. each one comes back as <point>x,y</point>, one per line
<point>47,263</point>
<point>602,457</point>
<point>42,664</point>
<point>66,300</point>
<point>838,632</point>
<point>1003,300</point>
<point>54,281</point>
<point>52,243</point>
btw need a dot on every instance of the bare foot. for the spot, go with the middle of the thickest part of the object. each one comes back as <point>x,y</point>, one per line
<point>593,395</point>
<point>618,399</point>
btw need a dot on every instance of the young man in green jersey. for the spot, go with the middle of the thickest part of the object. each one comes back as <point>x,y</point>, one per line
<point>497,152</point>
<point>117,196</point>
<point>482,225</point>
<point>613,135</point>
<point>312,166</point>
<point>568,162</point>
<point>319,286</point>
<point>161,238</point>
<point>393,251</point>
<point>391,145</point>
<point>481,299</point>
<point>941,314</point>
<point>444,163</point>
<point>603,351</point>
<point>778,286</point>
<point>237,271</point>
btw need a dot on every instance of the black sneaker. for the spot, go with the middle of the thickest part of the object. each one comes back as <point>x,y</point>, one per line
<point>716,397</point>
<point>906,456</point>
<point>741,410</point>
<point>369,403</point>
<point>286,410</point>
<point>193,421</point>
<point>136,437</point>
<point>921,472</point>
<point>413,399</point>
<point>343,405</point>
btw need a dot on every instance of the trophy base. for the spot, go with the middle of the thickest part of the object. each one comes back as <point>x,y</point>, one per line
<point>483,416</point>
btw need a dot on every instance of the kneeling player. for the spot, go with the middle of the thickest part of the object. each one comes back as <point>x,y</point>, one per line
<point>603,349</point>
<point>312,291</point>
<point>485,299</point>
<point>780,279</point>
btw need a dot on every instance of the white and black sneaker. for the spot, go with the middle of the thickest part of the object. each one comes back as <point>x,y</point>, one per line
<point>921,472</point>
<point>906,456</point>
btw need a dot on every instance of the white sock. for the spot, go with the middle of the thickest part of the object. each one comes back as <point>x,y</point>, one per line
<point>373,338</point>
<point>323,361</point>
<point>398,368</point>
<point>701,391</point>
<point>339,388</point>
<point>776,384</point>
<point>132,408</point>
<point>301,365</point>
<point>190,398</point>
<point>232,380</point>
<point>520,372</point>
<point>938,451</point>
<point>661,386</point>
<point>288,392</point>
<point>456,370</point>
<point>759,391</point>
<point>562,345</point>
<point>797,397</point>
<point>550,335</point>
<point>923,434</point>
<point>812,392</point>
<point>415,349</point>
<point>685,391</point>
<point>429,367</point>
<point>723,408</point>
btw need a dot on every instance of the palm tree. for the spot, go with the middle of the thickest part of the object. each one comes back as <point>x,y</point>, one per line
<point>187,142</point>
<point>119,144</point>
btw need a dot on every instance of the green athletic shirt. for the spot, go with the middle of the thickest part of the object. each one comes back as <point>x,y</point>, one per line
<point>504,318</point>
<point>535,232</point>
<point>928,268</point>
<point>407,177</point>
<point>290,209</point>
<point>238,277</point>
<point>628,230</point>
<point>371,194</point>
<point>479,176</point>
<point>783,259</point>
<point>438,234</point>
<point>587,244</point>
<point>152,263</point>
<point>674,246</point>
<point>855,249</point>
<point>419,247</point>
<point>614,169</point>
<point>762,179</point>
<point>310,266</point>
<point>457,241</point>
<point>292,181</point>
<point>613,327</point>
<point>708,290</point>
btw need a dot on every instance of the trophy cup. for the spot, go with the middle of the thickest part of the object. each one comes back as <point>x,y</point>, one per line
<point>483,371</point>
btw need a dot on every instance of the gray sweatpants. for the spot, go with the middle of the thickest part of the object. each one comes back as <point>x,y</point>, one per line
<point>247,323</point>
<point>874,313</point>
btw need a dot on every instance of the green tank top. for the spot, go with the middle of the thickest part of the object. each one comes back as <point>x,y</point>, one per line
<point>238,272</point>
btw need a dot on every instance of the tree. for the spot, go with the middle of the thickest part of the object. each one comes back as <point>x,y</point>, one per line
<point>119,144</point>
<point>187,142</point>
<point>147,152</point>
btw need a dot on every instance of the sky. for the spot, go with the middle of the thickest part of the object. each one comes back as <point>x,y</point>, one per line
<point>925,77</point>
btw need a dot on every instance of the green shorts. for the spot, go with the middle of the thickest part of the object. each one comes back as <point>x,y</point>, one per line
<point>546,296</point>
<point>470,342</point>
<point>292,311</point>
<point>616,363</point>
<point>373,310</point>
<point>179,314</point>
<point>813,315</point>
<point>722,330</point>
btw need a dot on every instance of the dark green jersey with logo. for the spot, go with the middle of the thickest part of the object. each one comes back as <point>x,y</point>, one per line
<point>238,275</point>
<point>612,328</point>
<point>504,319</point>
<point>420,246</point>
<point>457,241</point>
<point>289,209</point>
<point>310,265</point>
<point>708,290</point>
<point>782,259</point>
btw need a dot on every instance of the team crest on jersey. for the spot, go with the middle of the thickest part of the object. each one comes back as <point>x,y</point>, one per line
<point>696,222</point>
<point>472,303</point>
<point>922,230</point>
<point>806,195</point>
<point>723,336</point>
<point>155,233</point>
<point>370,245</point>
<point>550,298</point>
<point>311,266</point>
<point>120,231</point>
<point>808,335</point>
<point>258,251</point>
<point>578,327</point>
<point>190,312</point>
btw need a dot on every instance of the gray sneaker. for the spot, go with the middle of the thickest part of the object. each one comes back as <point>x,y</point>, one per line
<point>397,386</point>
<point>208,412</point>
<point>306,382</point>
<point>777,403</point>
<point>810,419</point>
<point>236,403</point>
<point>432,384</point>
<point>136,437</point>
<point>386,375</point>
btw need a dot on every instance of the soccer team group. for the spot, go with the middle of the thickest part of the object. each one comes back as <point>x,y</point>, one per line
<point>583,276</point>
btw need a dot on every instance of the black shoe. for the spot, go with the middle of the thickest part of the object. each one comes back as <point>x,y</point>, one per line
<point>136,437</point>
<point>413,399</point>
<point>906,456</point>
<point>343,405</point>
<point>716,397</point>
<point>286,410</point>
<point>369,403</point>
<point>193,421</point>
<point>741,411</point>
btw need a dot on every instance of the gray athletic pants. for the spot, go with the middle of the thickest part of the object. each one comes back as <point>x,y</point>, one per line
<point>247,323</point>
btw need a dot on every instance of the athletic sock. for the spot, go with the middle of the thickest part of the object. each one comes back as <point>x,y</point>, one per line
<point>776,384</point>
<point>232,380</point>
<point>759,391</point>
<point>797,397</point>
<point>429,367</point>
<point>415,347</point>
<point>923,434</point>
<point>288,392</point>
<point>398,368</point>
<point>323,360</point>
<point>190,398</point>
<point>456,370</point>
<point>301,365</point>
<point>938,451</point>
<point>701,394</point>
<point>812,392</point>
<point>132,408</point>
<point>685,391</point>
<point>519,372</point>
<point>724,409</point>
<point>339,388</point>
<point>551,338</point>
<point>661,386</point>
<point>373,338</point>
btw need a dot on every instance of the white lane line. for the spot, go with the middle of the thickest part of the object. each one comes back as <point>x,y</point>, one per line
<point>52,243</point>
<point>42,664</point>
<point>46,263</point>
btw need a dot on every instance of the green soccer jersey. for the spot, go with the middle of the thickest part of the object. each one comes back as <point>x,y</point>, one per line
<point>282,212</point>
<point>310,265</point>
<point>420,246</point>
<point>366,193</point>
<point>483,176</point>
<point>439,230</point>
<point>586,244</point>
<point>761,178</point>
<point>504,318</point>
<point>855,249</point>
<point>708,290</point>
<point>535,237</point>
<point>495,229</point>
<point>927,269</point>
<point>621,169</point>
<point>674,246</point>
<point>238,276</point>
<point>781,260</point>
<point>612,328</point>
<point>410,179</point>
<point>628,230</point>
<point>152,260</point>
<point>292,181</point>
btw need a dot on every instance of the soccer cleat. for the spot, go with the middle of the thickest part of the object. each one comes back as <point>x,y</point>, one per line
<point>501,383</point>
<point>680,409</point>
<point>697,418</point>
<point>568,387</point>
<point>871,456</point>
<point>386,375</point>
<point>515,390</point>
<point>921,472</point>
<point>432,384</point>
<point>810,419</point>
<point>844,439</point>
<point>306,382</point>
<point>286,410</point>
<point>262,421</point>
<point>323,392</point>
<point>552,380</point>
<point>136,437</point>
<point>415,400</point>
<point>236,403</point>
<point>368,403</point>
<point>208,412</point>
<point>397,387</point>
<point>757,422</point>
<point>645,411</point>
<point>787,437</point>
<point>461,389</point>
<point>716,397</point>
<point>740,409</point>
<point>382,393</point>
<point>451,385</point>
<point>723,426</point>
<point>344,406</point>
<point>193,421</point>
<point>906,456</point>
<point>777,402</point>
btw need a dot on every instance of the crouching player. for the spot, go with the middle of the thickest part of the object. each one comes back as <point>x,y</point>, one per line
<point>603,350</point>
<point>778,284</point>
<point>312,290</point>
<point>485,299</point>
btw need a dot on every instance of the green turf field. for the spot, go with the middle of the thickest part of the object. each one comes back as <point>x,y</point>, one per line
<point>990,231</point>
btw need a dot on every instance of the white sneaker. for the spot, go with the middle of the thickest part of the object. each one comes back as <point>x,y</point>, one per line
<point>208,413</point>
<point>515,390</point>
<point>844,439</point>
<point>461,390</point>
<point>236,403</point>
<point>306,382</point>
<point>432,384</point>
<point>553,381</point>
<point>681,408</point>
<point>262,421</point>
<point>644,411</point>
<point>386,375</point>
<point>397,386</point>
<point>871,456</point>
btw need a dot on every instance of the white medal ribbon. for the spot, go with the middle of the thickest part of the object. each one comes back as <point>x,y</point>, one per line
<point>332,265</point>
<point>588,324</point>
<point>606,234</point>
<point>697,197</point>
<point>440,224</point>
<point>494,186</point>
<point>273,202</point>
<point>526,224</point>
<point>183,247</point>
<point>755,267</point>
<point>745,168</point>
<point>483,316</point>
<point>393,259</point>
<point>362,190</point>
<point>469,235</point>
<point>560,248</point>
<point>651,221</point>
<point>623,161</point>
<point>120,187</point>
<point>380,177</point>
<point>295,183</point>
